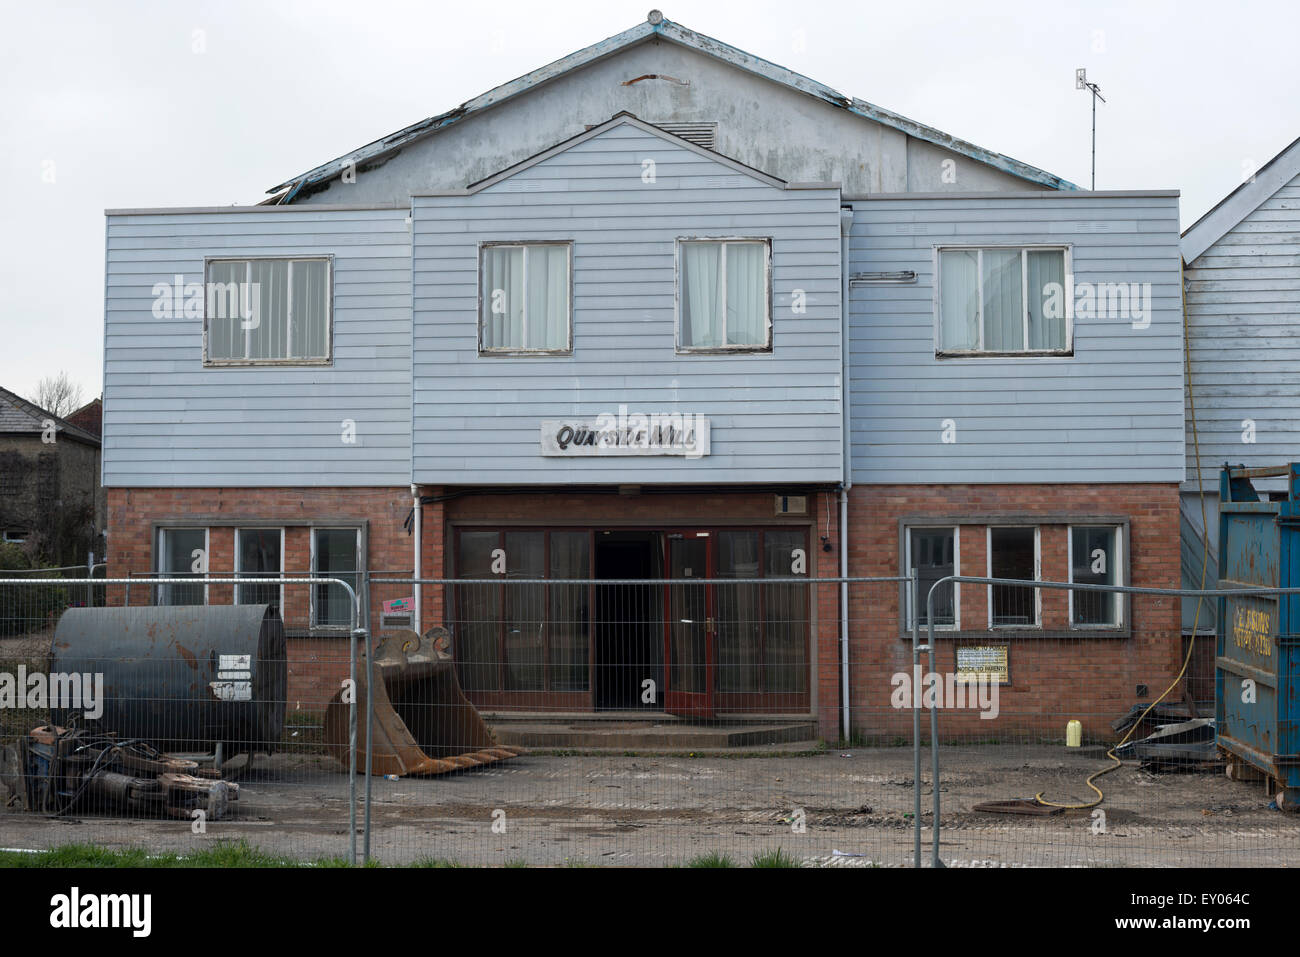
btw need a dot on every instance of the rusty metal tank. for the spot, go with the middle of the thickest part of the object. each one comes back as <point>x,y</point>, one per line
<point>180,678</point>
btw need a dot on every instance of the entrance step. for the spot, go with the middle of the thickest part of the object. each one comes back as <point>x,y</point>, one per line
<point>641,733</point>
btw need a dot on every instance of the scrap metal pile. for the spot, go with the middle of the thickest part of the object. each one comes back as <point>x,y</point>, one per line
<point>56,770</point>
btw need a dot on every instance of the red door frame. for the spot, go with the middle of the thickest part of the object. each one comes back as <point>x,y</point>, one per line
<point>690,704</point>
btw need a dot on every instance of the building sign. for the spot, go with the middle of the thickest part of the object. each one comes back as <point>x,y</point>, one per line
<point>677,433</point>
<point>975,660</point>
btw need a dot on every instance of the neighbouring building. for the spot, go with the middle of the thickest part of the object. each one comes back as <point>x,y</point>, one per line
<point>50,496</point>
<point>1241,273</point>
<point>817,307</point>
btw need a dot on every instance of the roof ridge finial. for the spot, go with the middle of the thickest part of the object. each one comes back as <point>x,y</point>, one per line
<point>655,17</point>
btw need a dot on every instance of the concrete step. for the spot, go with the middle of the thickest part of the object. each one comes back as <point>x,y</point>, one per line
<point>671,735</point>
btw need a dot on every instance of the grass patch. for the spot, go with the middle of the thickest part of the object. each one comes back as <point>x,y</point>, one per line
<point>715,859</point>
<point>223,854</point>
<point>777,858</point>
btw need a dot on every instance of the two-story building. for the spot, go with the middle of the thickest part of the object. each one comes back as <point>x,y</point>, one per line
<point>665,310</point>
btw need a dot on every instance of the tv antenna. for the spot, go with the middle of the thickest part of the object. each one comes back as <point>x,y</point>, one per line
<point>1081,83</point>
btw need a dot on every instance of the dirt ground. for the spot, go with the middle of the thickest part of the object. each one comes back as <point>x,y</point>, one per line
<point>837,808</point>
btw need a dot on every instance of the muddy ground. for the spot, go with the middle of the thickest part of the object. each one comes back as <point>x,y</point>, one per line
<point>836,808</point>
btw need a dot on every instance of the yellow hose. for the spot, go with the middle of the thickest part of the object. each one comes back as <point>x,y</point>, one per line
<point>1196,619</point>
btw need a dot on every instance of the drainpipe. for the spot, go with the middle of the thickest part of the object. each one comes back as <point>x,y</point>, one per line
<point>846,468</point>
<point>415,504</point>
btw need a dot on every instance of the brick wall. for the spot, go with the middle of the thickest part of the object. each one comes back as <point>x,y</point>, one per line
<point>1052,679</point>
<point>1056,674</point>
<point>317,664</point>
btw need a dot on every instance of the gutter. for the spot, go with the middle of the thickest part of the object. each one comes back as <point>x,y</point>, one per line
<point>846,469</point>
<point>417,528</point>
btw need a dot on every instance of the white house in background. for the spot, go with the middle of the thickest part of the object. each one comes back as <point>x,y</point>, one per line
<point>1242,282</point>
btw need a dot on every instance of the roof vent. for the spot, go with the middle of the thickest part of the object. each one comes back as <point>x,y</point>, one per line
<point>701,134</point>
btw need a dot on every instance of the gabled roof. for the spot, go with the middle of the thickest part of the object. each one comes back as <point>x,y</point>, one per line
<point>624,119</point>
<point>1241,202</point>
<point>18,416</point>
<point>657,26</point>
<point>89,417</point>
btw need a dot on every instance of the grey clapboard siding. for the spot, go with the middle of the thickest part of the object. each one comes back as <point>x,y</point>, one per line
<point>168,421</point>
<point>773,417</point>
<point>1243,315</point>
<point>1112,412</point>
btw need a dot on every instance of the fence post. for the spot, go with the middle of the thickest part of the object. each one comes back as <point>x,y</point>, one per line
<point>914,586</point>
<point>370,724</point>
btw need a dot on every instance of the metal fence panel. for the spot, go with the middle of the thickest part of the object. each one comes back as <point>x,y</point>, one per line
<point>666,721</point>
<point>1068,773</point>
<point>191,713</point>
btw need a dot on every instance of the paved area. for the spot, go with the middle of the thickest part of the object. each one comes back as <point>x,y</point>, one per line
<point>837,808</point>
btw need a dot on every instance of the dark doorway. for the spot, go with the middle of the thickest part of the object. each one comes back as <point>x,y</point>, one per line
<point>629,622</point>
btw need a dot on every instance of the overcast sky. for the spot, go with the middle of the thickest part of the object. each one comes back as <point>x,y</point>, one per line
<point>129,104</point>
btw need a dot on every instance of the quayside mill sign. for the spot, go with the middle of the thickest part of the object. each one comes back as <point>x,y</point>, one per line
<point>677,433</point>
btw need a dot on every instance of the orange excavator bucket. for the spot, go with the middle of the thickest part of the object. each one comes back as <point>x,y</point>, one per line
<point>423,724</point>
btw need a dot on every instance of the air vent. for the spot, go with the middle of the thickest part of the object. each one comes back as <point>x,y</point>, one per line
<point>791,505</point>
<point>701,134</point>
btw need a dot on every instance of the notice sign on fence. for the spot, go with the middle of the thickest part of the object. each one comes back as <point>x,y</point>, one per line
<point>975,660</point>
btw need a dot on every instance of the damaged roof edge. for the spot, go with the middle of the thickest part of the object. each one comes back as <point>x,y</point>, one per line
<point>675,33</point>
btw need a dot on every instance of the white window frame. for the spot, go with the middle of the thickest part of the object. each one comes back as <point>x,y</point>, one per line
<point>161,561</point>
<point>485,298</point>
<point>15,537</point>
<point>1038,575</point>
<point>679,291</point>
<point>1025,249</point>
<point>913,612</point>
<point>325,360</point>
<point>1120,575</point>
<point>311,590</point>
<point>240,529</point>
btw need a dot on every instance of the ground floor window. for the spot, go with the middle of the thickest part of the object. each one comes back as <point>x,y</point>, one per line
<point>762,628</point>
<point>525,636</point>
<point>934,554</point>
<point>1013,553</point>
<point>182,553</point>
<point>1095,560</point>
<point>259,553</point>
<point>618,640</point>
<point>335,553</point>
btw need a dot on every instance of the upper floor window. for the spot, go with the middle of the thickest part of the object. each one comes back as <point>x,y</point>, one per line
<point>724,301</point>
<point>525,298</point>
<point>267,310</point>
<point>1003,301</point>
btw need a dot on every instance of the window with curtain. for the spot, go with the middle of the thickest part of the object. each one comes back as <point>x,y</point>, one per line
<point>1002,300</point>
<point>723,297</point>
<point>525,302</point>
<point>267,310</point>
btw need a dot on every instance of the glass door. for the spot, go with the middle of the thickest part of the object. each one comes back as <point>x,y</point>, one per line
<point>689,631</point>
